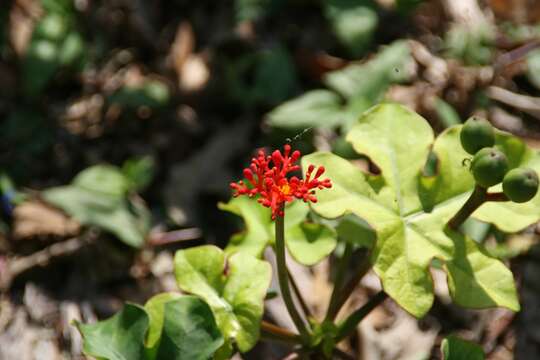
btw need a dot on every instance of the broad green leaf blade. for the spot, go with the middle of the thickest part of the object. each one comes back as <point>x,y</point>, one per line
<point>316,108</point>
<point>454,348</point>
<point>97,196</point>
<point>189,331</point>
<point>310,243</point>
<point>234,289</point>
<point>155,308</point>
<point>397,140</point>
<point>356,231</point>
<point>89,208</point>
<point>353,22</point>
<point>245,289</point>
<point>371,80</point>
<point>477,280</point>
<point>350,192</point>
<point>105,179</point>
<point>119,338</point>
<point>408,240</point>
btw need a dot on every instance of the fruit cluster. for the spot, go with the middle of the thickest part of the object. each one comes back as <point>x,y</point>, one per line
<point>489,165</point>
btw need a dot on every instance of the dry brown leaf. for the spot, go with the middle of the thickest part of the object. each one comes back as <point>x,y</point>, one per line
<point>33,218</point>
<point>22,18</point>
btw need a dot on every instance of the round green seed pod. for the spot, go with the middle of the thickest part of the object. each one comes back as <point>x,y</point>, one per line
<point>476,134</point>
<point>520,184</point>
<point>489,166</point>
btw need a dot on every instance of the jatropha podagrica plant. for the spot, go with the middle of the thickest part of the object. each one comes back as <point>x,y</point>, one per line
<point>395,223</point>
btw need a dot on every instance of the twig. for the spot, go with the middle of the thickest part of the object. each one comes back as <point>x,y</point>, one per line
<point>527,104</point>
<point>273,332</point>
<point>165,238</point>
<point>17,266</point>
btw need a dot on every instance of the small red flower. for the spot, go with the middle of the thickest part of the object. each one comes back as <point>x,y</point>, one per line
<point>272,184</point>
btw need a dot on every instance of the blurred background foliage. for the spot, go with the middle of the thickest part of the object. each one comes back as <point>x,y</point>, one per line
<point>126,120</point>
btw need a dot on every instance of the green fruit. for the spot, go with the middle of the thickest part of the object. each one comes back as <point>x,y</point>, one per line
<point>476,134</point>
<point>489,166</point>
<point>520,184</point>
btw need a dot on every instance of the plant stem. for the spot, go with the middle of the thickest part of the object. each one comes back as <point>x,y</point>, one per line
<point>275,333</point>
<point>348,289</point>
<point>338,282</point>
<point>350,324</point>
<point>299,296</point>
<point>283,278</point>
<point>477,198</point>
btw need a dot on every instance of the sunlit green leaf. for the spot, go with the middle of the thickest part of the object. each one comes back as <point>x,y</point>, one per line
<point>234,287</point>
<point>181,327</point>
<point>409,211</point>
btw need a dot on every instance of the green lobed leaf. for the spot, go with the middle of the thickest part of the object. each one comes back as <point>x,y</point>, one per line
<point>371,79</point>
<point>454,348</point>
<point>477,280</point>
<point>182,328</point>
<point>176,327</point>
<point>234,288</point>
<point>119,338</point>
<point>97,196</point>
<point>308,243</point>
<point>409,211</point>
<point>319,108</point>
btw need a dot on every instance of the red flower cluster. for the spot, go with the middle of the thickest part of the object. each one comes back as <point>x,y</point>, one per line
<point>272,184</point>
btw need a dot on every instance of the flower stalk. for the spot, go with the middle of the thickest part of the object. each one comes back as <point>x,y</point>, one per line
<point>283,277</point>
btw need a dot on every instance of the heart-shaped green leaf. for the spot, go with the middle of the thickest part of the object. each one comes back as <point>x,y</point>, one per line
<point>319,108</point>
<point>454,348</point>
<point>176,327</point>
<point>119,338</point>
<point>308,243</point>
<point>97,196</point>
<point>409,211</point>
<point>181,327</point>
<point>234,288</point>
